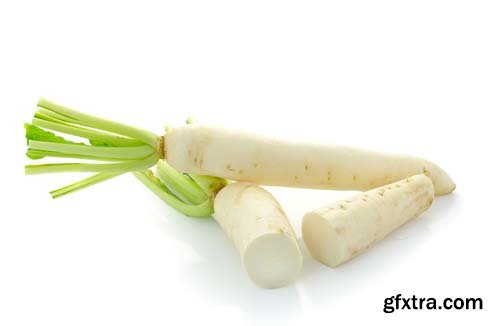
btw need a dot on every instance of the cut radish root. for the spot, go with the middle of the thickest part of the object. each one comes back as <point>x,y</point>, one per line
<point>338,232</point>
<point>263,160</point>
<point>260,230</point>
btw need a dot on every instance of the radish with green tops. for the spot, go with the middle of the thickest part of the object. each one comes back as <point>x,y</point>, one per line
<point>338,232</point>
<point>217,152</point>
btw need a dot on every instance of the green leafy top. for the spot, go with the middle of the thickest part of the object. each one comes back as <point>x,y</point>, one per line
<point>129,148</point>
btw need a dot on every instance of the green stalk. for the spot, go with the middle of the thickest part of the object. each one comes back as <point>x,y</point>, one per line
<point>97,178</point>
<point>171,182</point>
<point>100,123</point>
<point>122,167</point>
<point>204,209</point>
<point>41,153</point>
<point>53,115</point>
<point>181,183</point>
<point>125,153</point>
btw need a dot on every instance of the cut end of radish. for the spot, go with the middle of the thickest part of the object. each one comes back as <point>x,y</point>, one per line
<point>272,260</point>
<point>322,240</point>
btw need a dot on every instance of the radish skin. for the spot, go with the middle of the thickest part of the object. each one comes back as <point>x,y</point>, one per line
<point>255,222</point>
<point>262,160</point>
<point>339,232</point>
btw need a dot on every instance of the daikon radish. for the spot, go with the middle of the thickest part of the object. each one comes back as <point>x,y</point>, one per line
<point>263,160</point>
<point>260,230</point>
<point>216,152</point>
<point>338,232</point>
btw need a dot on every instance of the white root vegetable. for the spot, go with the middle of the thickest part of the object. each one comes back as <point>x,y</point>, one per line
<point>243,156</point>
<point>260,230</point>
<point>339,232</point>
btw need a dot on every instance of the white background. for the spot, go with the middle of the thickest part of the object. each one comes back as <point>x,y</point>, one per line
<point>419,77</point>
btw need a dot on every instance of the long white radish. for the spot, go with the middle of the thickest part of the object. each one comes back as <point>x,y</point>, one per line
<point>339,232</point>
<point>260,230</point>
<point>262,160</point>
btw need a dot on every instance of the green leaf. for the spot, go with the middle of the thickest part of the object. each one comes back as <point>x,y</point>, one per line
<point>37,133</point>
